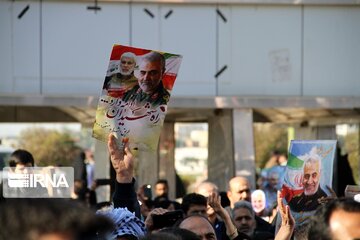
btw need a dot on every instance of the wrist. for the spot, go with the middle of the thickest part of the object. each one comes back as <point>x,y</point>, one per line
<point>124,179</point>
<point>233,234</point>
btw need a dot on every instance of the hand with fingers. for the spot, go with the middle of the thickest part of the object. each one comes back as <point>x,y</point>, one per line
<point>122,160</point>
<point>324,200</point>
<point>149,222</point>
<point>287,220</point>
<point>214,200</point>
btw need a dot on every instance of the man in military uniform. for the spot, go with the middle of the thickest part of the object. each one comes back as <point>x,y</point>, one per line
<point>150,87</point>
<point>309,199</point>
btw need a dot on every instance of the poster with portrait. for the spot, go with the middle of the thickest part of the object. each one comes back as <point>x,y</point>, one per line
<point>308,177</point>
<point>134,96</point>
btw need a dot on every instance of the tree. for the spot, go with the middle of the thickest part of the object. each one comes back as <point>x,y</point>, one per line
<point>352,148</point>
<point>269,137</point>
<point>49,147</point>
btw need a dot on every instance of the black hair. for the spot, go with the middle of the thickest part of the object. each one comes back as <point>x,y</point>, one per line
<point>21,156</point>
<point>192,199</point>
<point>162,181</point>
<point>28,219</point>
<point>162,202</point>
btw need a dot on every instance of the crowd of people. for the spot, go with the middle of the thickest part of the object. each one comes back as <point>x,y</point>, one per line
<point>203,214</point>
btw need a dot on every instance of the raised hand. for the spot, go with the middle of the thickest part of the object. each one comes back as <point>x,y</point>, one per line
<point>122,160</point>
<point>287,220</point>
<point>214,200</point>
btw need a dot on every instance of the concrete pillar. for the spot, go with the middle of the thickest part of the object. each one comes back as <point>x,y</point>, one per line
<point>221,150</point>
<point>326,132</point>
<point>244,149</point>
<point>304,133</point>
<point>315,133</point>
<point>146,168</point>
<point>102,170</point>
<point>167,157</point>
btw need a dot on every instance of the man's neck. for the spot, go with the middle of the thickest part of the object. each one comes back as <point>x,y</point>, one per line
<point>212,218</point>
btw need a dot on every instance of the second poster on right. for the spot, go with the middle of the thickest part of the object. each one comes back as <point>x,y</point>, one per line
<point>308,179</point>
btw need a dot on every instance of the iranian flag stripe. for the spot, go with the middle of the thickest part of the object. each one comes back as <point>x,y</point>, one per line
<point>294,161</point>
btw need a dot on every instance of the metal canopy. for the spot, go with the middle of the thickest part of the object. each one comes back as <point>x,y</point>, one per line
<point>282,110</point>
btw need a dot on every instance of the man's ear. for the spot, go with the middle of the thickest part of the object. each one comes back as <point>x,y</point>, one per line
<point>228,194</point>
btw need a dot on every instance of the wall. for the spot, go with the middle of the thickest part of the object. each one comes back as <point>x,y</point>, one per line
<point>61,48</point>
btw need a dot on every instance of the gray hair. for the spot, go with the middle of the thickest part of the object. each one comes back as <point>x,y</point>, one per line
<point>155,57</point>
<point>207,183</point>
<point>313,159</point>
<point>243,204</point>
<point>128,55</point>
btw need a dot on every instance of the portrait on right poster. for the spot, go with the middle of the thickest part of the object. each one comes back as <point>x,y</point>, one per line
<point>308,178</point>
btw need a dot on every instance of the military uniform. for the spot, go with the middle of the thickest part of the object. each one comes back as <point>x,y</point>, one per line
<point>118,84</point>
<point>160,97</point>
<point>306,203</point>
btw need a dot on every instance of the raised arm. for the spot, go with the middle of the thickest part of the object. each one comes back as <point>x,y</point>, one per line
<point>122,161</point>
<point>214,201</point>
<point>287,221</point>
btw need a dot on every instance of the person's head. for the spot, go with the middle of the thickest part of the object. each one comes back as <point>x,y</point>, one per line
<point>145,207</point>
<point>339,219</point>
<point>45,219</point>
<point>161,236</point>
<point>161,188</point>
<point>311,178</point>
<point>151,71</point>
<point>180,233</point>
<point>273,179</point>
<point>206,188</point>
<point>172,233</point>
<point>258,200</point>
<point>199,225</point>
<point>282,160</point>
<point>89,155</point>
<point>127,63</point>
<point>127,225</point>
<point>244,217</point>
<point>165,203</point>
<point>194,203</point>
<point>20,159</point>
<point>144,192</point>
<point>239,189</point>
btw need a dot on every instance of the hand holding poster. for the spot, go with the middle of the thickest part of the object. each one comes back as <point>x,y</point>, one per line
<point>134,97</point>
<point>308,177</point>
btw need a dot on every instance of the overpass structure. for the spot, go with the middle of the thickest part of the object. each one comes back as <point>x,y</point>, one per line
<point>292,62</point>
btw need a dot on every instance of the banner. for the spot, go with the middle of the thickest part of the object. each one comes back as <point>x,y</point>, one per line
<point>308,176</point>
<point>134,97</point>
